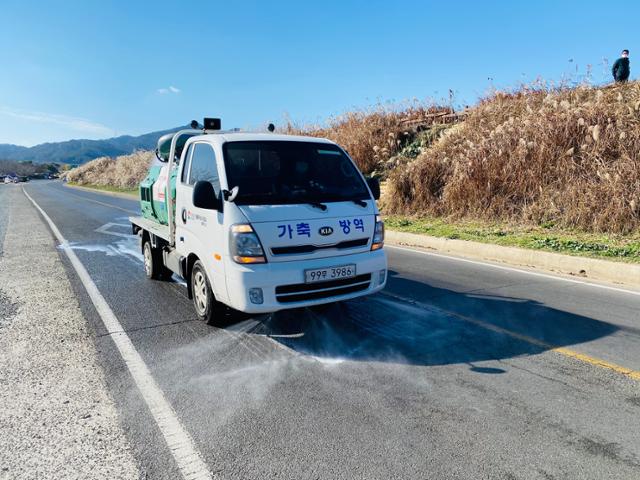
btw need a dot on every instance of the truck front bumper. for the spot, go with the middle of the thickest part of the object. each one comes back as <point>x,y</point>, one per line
<point>283,286</point>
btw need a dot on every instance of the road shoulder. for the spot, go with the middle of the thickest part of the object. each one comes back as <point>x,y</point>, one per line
<point>109,193</point>
<point>57,419</point>
<point>581,267</point>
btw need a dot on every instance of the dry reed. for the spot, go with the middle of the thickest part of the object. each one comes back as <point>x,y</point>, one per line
<point>569,157</point>
<point>372,136</point>
<point>124,172</point>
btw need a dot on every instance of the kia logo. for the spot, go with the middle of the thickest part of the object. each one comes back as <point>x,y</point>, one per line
<point>325,231</point>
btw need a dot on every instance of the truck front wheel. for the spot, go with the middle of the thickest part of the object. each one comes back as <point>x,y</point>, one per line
<point>204,301</point>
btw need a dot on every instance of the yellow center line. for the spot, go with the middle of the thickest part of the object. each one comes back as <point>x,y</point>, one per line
<point>634,374</point>
<point>567,352</point>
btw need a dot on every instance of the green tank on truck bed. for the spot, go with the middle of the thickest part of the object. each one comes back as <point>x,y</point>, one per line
<point>160,181</point>
<point>153,193</point>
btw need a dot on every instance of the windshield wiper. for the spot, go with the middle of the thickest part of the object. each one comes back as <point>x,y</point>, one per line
<point>359,202</point>
<point>321,206</point>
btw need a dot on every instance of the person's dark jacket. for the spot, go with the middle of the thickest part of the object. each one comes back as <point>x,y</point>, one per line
<point>621,70</point>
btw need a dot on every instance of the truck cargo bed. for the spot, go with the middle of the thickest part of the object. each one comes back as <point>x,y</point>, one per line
<point>150,226</point>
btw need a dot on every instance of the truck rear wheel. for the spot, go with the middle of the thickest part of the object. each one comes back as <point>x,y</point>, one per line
<point>205,303</point>
<point>153,266</point>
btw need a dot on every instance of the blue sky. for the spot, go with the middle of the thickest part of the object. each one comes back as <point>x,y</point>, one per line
<point>95,69</point>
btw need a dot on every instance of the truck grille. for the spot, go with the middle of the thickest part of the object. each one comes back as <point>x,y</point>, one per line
<point>313,291</point>
<point>360,242</point>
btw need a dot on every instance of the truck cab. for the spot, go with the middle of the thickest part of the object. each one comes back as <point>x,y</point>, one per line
<point>262,222</point>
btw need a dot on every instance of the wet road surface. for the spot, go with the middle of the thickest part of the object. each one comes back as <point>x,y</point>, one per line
<point>456,370</point>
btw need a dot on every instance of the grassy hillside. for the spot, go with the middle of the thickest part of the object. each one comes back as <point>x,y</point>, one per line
<point>568,157</point>
<point>375,136</point>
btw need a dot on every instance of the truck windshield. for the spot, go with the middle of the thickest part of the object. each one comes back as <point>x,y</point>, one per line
<point>289,172</point>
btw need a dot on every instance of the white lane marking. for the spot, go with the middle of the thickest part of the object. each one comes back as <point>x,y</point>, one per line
<point>180,443</point>
<point>514,269</point>
<point>121,248</point>
<point>106,229</point>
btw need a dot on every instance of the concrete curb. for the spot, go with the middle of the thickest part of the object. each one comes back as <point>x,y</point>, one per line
<point>591,268</point>
<point>129,196</point>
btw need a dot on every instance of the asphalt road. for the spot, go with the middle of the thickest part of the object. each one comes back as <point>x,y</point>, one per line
<point>457,370</point>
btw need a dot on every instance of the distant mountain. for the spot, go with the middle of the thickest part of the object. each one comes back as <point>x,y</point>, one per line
<point>75,152</point>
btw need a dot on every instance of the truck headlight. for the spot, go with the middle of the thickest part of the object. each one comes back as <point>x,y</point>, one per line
<point>245,245</point>
<point>378,234</point>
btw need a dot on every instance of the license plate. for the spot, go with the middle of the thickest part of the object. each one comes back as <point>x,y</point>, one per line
<point>330,273</point>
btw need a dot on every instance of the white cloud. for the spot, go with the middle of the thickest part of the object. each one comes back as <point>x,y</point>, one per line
<point>170,89</point>
<point>73,123</point>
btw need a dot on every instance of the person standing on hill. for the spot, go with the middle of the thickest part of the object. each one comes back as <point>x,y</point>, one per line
<point>621,68</point>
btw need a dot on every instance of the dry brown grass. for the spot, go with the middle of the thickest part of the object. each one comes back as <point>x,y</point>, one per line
<point>569,157</point>
<point>371,136</point>
<point>124,172</point>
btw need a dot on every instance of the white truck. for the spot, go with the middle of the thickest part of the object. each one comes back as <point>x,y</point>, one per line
<point>260,222</point>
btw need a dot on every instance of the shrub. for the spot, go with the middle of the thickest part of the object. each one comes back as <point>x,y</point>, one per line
<point>125,172</point>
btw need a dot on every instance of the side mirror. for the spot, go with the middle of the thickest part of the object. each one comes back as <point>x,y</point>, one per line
<point>160,158</point>
<point>374,186</point>
<point>204,196</point>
